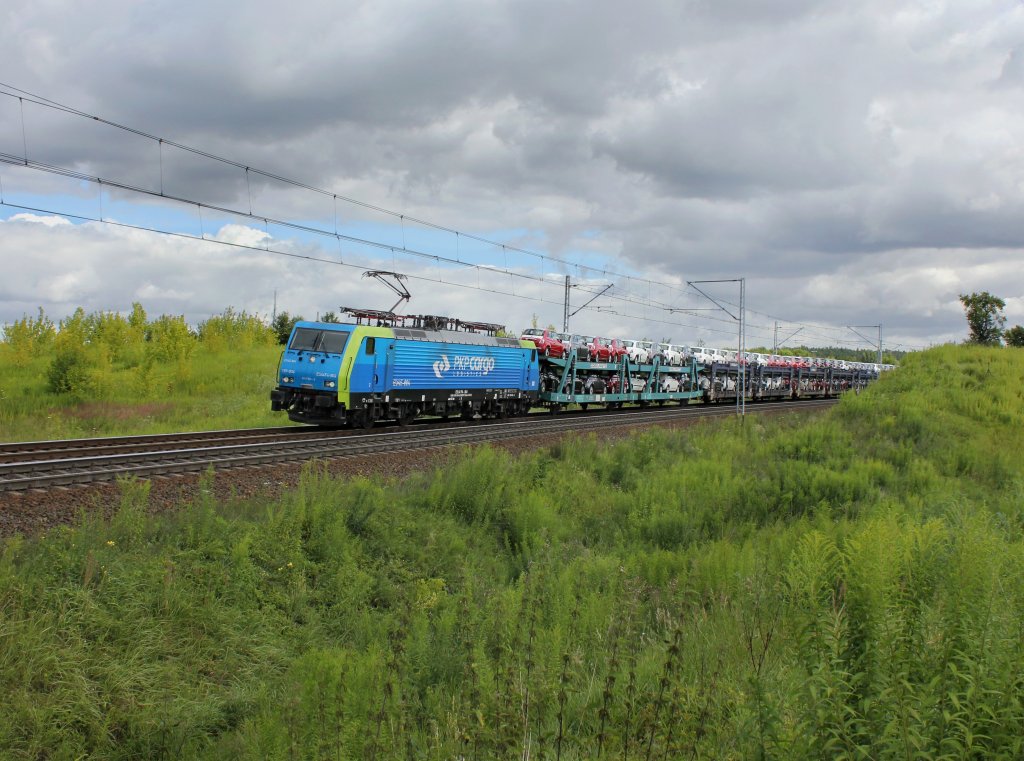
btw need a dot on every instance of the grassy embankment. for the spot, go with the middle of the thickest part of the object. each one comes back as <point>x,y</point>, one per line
<point>849,585</point>
<point>105,374</point>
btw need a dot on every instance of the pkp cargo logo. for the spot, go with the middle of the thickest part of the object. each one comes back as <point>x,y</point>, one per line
<point>463,366</point>
<point>442,366</point>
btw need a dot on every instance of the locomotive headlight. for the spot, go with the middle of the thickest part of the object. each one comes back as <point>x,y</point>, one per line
<point>329,384</point>
<point>286,379</point>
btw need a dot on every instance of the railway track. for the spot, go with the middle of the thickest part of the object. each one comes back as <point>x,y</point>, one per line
<point>47,464</point>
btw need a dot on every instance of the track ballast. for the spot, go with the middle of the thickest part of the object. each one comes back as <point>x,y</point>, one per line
<point>47,464</point>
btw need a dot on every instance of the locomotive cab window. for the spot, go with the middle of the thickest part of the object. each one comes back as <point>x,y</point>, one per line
<point>371,345</point>
<point>333,341</point>
<point>304,339</point>
<point>327,341</point>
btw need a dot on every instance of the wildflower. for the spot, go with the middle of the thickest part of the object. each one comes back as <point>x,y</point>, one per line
<point>290,564</point>
<point>110,542</point>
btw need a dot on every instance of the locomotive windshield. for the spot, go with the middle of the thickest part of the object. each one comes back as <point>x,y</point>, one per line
<point>304,339</point>
<point>333,341</point>
<point>327,341</point>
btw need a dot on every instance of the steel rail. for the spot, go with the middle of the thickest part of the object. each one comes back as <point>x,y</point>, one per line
<point>145,438</point>
<point>69,448</point>
<point>23,451</point>
<point>73,448</point>
<point>69,471</point>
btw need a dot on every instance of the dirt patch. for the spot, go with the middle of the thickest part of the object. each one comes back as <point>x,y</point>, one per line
<point>115,411</point>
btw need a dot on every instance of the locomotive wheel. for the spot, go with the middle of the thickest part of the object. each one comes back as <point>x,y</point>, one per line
<point>363,420</point>
<point>405,416</point>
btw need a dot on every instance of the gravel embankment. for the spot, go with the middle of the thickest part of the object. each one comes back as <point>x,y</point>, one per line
<point>34,512</point>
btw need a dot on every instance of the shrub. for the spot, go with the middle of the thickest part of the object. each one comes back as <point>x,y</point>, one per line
<point>28,337</point>
<point>235,330</point>
<point>169,339</point>
<point>121,340</point>
<point>69,371</point>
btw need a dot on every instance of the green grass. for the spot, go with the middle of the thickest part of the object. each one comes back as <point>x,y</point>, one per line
<point>849,585</point>
<point>107,374</point>
<point>209,391</point>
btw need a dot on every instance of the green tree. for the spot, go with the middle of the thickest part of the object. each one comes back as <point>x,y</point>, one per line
<point>984,317</point>
<point>28,337</point>
<point>233,329</point>
<point>282,326</point>
<point>169,339</point>
<point>112,335</point>
<point>1014,336</point>
<point>329,317</point>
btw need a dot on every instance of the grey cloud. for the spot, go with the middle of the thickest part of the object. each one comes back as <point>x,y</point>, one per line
<point>795,143</point>
<point>1012,74</point>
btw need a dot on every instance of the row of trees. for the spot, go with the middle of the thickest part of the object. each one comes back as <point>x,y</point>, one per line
<point>125,335</point>
<point>985,320</point>
<point>83,343</point>
<point>104,338</point>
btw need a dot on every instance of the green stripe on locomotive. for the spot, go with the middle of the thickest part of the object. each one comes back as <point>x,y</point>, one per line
<point>354,360</point>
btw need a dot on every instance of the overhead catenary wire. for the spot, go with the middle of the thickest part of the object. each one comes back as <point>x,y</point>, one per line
<point>582,268</point>
<point>627,278</point>
<point>340,237</point>
<point>200,205</point>
<point>311,258</point>
<point>49,103</point>
<point>56,105</point>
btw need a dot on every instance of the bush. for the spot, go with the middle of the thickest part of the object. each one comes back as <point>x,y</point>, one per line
<point>235,330</point>
<point>28,337</point>
<point>68,372</point>
<point>169,339</point>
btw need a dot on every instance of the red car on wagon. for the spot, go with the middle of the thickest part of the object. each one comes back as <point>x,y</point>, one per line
<point>600,350</point>
<point>545,341</point>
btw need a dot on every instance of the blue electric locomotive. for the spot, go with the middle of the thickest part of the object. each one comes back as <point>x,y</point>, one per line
<point>337,374</point>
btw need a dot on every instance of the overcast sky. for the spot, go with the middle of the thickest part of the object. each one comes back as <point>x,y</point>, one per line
<point>857,162</point>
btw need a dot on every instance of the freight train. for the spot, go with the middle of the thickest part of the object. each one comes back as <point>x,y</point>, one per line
<point>387,367</point>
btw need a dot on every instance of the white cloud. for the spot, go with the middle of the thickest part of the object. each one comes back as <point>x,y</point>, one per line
<point>243,236</point>
<point>36,219</point>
